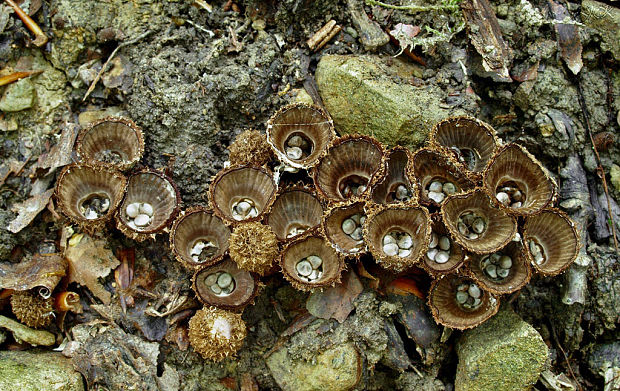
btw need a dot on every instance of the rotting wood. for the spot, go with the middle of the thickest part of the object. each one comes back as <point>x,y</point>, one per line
<point>567,36</point>
<point>486,36</point>
<point>324,35</point>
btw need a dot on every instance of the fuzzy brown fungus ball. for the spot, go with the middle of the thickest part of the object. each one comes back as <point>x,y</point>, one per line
<point>31,309</point>
<point>216,334</point>
<point>250,148</point>
<point>254,247</point>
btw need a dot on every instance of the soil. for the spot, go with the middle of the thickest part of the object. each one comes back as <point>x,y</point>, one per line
<point>194,75</point>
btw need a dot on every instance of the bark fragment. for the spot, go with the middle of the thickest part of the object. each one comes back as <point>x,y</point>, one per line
<point>486,36</point>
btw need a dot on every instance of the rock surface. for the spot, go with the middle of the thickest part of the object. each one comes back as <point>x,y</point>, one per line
<point>606,20</point>
<point>504,353</point>
<point>337,368</point>
<point>18,96</point>
<point>38,371</point>
<point>371,95</point>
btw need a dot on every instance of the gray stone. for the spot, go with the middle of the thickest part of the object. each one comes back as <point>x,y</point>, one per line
<point>606,20</point>
<point>370,95</point>
<point>337,368</point>
<point>38,371</point>
<point>504,353</point>
<point>18,96</point>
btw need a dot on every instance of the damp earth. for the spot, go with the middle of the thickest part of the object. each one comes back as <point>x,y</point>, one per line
<point>196,74</point>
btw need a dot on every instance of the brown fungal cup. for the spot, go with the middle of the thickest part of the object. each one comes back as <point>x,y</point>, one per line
<point>441,244</point>
<point>518,182</point>
<point>89,195</point>
<point>469,141</point>
<point>432,169</point>
<point>199,238</point>
<point>225,286</point>
<point>151,202</point>
<point>450,302</point>
<point>242,193</point>
<point>342,226</point>
<point>551,241</point>
<point>350,167</point>
<point>476,224</point>
<point>306,273</point>
<point>396,185</point>
<point>397,236</point>
<point>299,134</point>
<point>295,212</point>
<point>111,141</point>
<point>487,269</point>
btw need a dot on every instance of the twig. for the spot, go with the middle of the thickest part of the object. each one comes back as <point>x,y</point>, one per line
<point>570,369</point>
<point>599,168</point>
<point>40,38</point>
<point>415,8</point>
<point>17,76</point>
<point>105,66</point>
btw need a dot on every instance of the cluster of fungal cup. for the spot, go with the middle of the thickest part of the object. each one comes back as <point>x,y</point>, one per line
<point>475,213</point>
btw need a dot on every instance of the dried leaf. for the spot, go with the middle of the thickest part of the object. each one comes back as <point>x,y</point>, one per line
<point>419,326</point>
<point>336,302</point>
<point>11,167</point>
<point>568,39</point>
<point>406,30</point>
<point>112,359</point>
<point>60,154</point>
<point>28,210</point>
<point>248,383</point>
<point>298,323</point>
<point>486,36</point>
<point>89,260</point>
<point>404,286</point>
<point>42,270</point>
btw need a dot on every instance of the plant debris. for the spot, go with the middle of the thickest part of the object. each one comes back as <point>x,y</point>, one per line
<point>89,260</point>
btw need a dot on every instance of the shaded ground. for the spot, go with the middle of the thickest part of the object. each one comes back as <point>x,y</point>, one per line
<point>195,75</point>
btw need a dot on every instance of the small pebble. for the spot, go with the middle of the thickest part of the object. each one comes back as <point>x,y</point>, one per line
<point>437,197</point>
<point>348,226</point>
<point>315,261</point>
<point>357,234</point>
<point>474,291</point>
<point>442,257</point>
<point>505,262</point>
<point>224,280</point>
<point>444,243</point>
<point>461,297</point>
<point>478,226</point>
<point>434,240</point>
<point>295,141</point>
<point>146,209</point>
<point>390,249</point>
<point>304,268</point>
<point>133,210</point>
<point>387,239</point>
<point>491,270</point>
<point>211,279</point>
<point>294,153</point>
<point>435,187</point>
<point>502,197</point>
<point>402,192</point>
<point>449,188</point>
<point>405,242</point>
<point>142,220</point>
